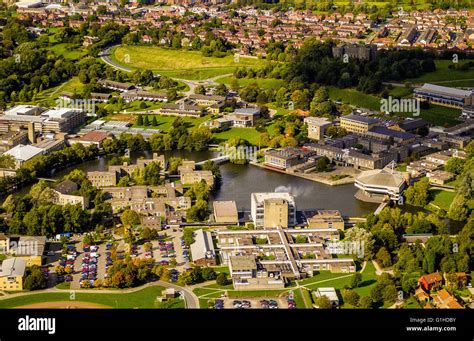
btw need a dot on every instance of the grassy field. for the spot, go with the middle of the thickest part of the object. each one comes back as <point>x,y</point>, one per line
<point>354,97</point>
<point>443,199</point>
<point>339,281</point>
<point>144,298</point>
<point>435,114</point>
<point>68,51</point>
<point>248,134</point>
<point>165,122</point>
<point>270,83</point>
<point>178,63</point>
<point>446,76</point>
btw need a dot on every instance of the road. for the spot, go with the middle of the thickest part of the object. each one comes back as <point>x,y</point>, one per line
<point>192,84</point>
<point>192,301</point>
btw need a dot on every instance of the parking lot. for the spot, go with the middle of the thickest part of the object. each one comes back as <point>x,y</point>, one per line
<point>255,303</point>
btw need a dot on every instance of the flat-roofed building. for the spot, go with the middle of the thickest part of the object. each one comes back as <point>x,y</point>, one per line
<point>95,137</point>
<point>139,95</point>
<point>283,158</point>
<point>206,100</point>
<point>316,127</point>
<point>247,274</point>
<point>202,250</point>
<point>357,123</point>
<point>440,177</point>
<point>181,110</point>
<point>273,209</point>
<point>442,95</point>
<point>330,293</point>
<point>324,219</point>
<point>12,274</point>
<point>225,212</point>
<point>12,139</point>
<point>196,176</point>
<point>102,178</point>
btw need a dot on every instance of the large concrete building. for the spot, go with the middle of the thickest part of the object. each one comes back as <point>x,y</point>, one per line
<point>225,212</point>
<point>316,127</point>
<point>357,123</point>
<point>442,95</point>
<point>381,185</point>
<point>269,258</point>
<point>273,209</point>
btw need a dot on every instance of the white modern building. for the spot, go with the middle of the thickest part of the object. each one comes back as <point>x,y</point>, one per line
<point>379,185</point>
<point>22,153</point>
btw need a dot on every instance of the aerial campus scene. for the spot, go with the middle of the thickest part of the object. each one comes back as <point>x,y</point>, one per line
<point>244,154</point>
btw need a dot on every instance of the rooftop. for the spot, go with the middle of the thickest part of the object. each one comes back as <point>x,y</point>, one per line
<point>23,152</point>
<point>444,90</point>
<point>360,118</point>
<point>243,262</point>
<point>13,267</point>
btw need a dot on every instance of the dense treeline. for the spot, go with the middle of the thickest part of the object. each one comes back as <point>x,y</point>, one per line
<point>314,63</point>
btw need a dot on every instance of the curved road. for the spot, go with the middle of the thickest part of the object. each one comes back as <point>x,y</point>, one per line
<point>192,84</point>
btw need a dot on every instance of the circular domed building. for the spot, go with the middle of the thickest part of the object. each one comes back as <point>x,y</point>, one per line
<point>381,185</point>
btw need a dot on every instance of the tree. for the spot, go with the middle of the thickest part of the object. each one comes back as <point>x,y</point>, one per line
<point>221,279</point>
<point>198,212</point>
<point>384,258</point>
<point>322,164</point>
<point>390,294</point>
<point>351,297</point>
<point>455,165</point>
<point>139,120</point>
<point>323,302</point>
<point>458,209</point>
<point>208,274</point>
<point>35,279</point>
<point>356,280</point>
<point>418,194</point>
<point>366,302</point>
<point>130,217</point>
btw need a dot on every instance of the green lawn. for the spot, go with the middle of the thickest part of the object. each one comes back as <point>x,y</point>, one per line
<point>339,281</point>
<point>435,114</point>
<point>68,51</point>
<point>165,122</point>
<point>131,106</point>
<point>442,198</point>
<point>178,63</point>
<point>446,76</point>
<point>270,83</point>
<point>144,298</point>
<point>354,97</point>
<point>248,134</point>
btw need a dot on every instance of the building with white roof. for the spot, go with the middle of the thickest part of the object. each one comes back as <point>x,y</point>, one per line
<point>202,250</point>
<point>22,153</point>
<point>330,293</point>
<point>442,95</point>
<point>43,121</point>
<point>379,185</point>
<point>11,274</point>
